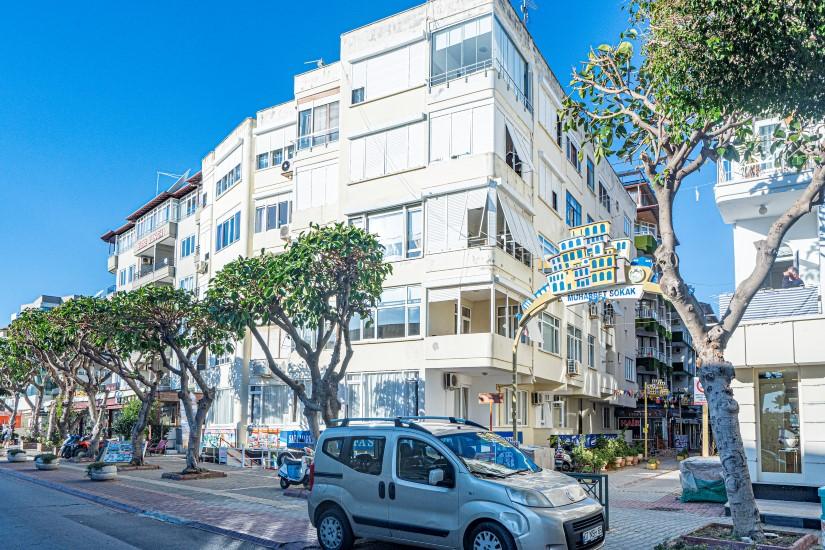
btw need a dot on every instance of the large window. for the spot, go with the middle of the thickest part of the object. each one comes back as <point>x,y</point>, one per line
<point>222,410</point>
<point>549,186</point>
<point>548,247</point>
<point>511,65</point>
<point>388,152</point>
<point>604,197</point>
<point>780,441</point>
<point>383,394</point>
<point>316,186</point>
<point>461,50</point>
<point>550,333</point>
<point>400,232</point>
<point>507,320</point>
<point>574,343</point>
<point>573,211</point>
<point>591,175</point>
<point>188,205</point>
<point>398,315</point>
<point>460,133</point>
<point>318,125</point>
<point>159,215</point>
<point>389,72</point>
<point>228,180</point>
<point>274,213</point>
<point>629,369</point>
<point>270,404</point>
<point>228,231</point>
<point>187,246</point>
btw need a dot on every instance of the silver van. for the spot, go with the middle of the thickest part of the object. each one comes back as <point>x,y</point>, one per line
<point>442,483</point>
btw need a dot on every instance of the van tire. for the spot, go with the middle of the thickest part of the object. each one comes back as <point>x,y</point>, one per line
<point>333,530</point>
<point>489,535</point>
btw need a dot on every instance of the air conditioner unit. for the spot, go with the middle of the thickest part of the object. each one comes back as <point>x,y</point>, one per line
<point>286,169</point>
<point>593,310</point>
<point>574,368</point>
<point>203,267</point>
<point>450,381</point>
<point>285,236</point>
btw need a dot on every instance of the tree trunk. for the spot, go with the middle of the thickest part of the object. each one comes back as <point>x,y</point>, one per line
<point>63,420</point>
<point>139,428</point>
<point>34,423</point>
<point>50,426</point>
<point>96,414</point>
<point>14,415</point>
<point>195,435</point>
<point>313,424</point>
<point>724,418</point>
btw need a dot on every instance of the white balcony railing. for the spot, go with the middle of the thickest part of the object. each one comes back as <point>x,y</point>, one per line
<point>643,228</point>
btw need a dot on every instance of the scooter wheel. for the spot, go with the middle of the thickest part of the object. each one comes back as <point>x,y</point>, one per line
<point>284,484</point>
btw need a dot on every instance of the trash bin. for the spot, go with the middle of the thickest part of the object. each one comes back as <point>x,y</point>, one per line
<point>702,480</point>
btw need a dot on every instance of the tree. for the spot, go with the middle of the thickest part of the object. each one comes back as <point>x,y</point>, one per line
<point>17,374</point>
<point>180,330</point>
<point>686,103</point>
<point>324,279</point>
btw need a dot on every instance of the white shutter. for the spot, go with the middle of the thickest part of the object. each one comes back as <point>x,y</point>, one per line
<point>456,221</point>
<point>375,154</point>
<point>388,73</point>
<point>303,181</point>
<point>436,233</point>
<point>543,194</point>
<point>418,63</point>
<point>356,159</point>
<point>318,185</point>
<point>262,142</point>
<point>417,144</point>
<point>461,133</point>
<point>359,75</point>
<point>440,138</point>
<point>397,149</point>
<point>331,183</point>
<point>278,141</point>
<point>483,130</point>
<point>443,294</point>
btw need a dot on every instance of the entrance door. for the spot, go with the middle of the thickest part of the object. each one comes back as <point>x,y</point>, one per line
<point>366,477</point>
<point>779,435</point>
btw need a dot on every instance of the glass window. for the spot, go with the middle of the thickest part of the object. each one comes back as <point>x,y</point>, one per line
<point>358,95</point>
<point>334,447</point>
<point>389,229</point>
<point>187,246</point>
<point>277,157</point>
<point>573,155</point>
<point>574,343</point>
<point>416,460</point>
<point>367,455</point>
<point>397,315</point>
<point>506,324</point>
<point>604,197</point>
<point>591,175</point>
<point>573,212</point>
<point>228,232</point>
<point>461,50</point>
<point>591,351</point>
<point>765,141</point>
<point>262,161</point>
<point>304,128</point>
<point>228,180</point>
<point>779,427</point>
<point>550,332</point>
<point>415,232</point>
<point>259,219</point>
<point>318,126</point>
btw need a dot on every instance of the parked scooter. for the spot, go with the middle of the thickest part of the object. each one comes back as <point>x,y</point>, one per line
<point>294,470</point>
<point>77,445</point>
<point>563,459</point>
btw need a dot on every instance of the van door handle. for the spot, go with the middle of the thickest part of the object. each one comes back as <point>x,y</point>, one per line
<point>381,489</point>
<point>392,490</point>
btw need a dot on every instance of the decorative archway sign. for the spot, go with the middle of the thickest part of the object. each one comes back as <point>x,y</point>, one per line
<point>590,267</point>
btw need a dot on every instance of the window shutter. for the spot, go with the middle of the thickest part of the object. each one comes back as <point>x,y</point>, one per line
<point>456,221</point>
<point>436,234</point>
<point>440,138</point>
<point>303,179</point>
<point>357,153</point>
<point>397,150</point>
<point>461,133</point>
<point>483,130</point>
<point>331,183</point>
<point>359,75</point>
<point>418,63</point>
<point>318,186</point>
<point>375,153</point>
<point>417,144</point>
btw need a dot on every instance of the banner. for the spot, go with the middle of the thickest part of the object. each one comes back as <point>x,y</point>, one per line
<point>699,397</point>
<point>118,451</point>
<point>623,292</point>
<point>589,439</point>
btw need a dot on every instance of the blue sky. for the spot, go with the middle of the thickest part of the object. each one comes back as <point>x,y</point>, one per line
<point>97,96</point>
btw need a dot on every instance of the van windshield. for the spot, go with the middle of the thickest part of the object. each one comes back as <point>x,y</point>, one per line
<point>486,453</point>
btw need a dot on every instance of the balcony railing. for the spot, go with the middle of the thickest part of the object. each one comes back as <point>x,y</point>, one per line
<point>776,303</point>
<point>150,269</point>
<point>765,169</point>
<point>643,228</point>
<point>322,137</point>
<point>651,353</point>
<point>467,70</point>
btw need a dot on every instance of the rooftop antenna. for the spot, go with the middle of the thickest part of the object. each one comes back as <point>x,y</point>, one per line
<point>526,6</point>
<point>158,174</point>
<point>318,62</point>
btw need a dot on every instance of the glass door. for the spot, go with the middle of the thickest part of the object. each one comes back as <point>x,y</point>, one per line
<point>780,439</point>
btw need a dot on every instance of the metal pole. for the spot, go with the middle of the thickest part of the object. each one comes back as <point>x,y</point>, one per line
<point>705,431</point>
<point>514,399</point>
<point>645,430</point>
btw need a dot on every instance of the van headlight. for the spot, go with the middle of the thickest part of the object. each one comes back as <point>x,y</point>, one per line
<point>528,497</point>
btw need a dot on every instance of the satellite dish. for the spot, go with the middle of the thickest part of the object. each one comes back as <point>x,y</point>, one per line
<point>285,166</point>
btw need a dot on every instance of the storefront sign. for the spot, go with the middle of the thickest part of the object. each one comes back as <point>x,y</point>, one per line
<point>218,437</point>
<point>699,397</point>
<point>118,451</point>
<point>588,439</point>
<point>490,398</point>
<point>623,292</point>
<point>297,438</point>
<point>629,423</point>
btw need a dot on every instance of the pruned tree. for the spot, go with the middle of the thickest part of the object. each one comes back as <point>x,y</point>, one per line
<point>706,68</point>
<point>179,329</point>
<point>311,292</point>
<point>17,374</point>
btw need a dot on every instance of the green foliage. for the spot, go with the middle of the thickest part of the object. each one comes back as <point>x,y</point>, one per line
<point>13,452</point>
<point>128,417</point>
<point>46,458</point>
<point>583,458</point>
<point>96,466</point>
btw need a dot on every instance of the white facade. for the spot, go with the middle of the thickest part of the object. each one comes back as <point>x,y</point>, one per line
<point>437,131</point>
<point>777,350</point>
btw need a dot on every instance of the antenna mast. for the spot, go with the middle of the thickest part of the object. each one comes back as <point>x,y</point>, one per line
<point>526,6</point>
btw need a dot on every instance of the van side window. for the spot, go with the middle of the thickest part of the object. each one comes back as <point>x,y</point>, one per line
<point>416,459</point>
<point>334,447</point>
<point>366,455</point>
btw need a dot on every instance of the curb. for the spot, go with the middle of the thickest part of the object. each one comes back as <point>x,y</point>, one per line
<point>159,516</point>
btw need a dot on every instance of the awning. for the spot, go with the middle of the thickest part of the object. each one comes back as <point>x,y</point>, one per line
<point>522,145</point>
<point>520,227</point>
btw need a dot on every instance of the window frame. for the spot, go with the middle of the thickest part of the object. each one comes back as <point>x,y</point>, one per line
<point>407,211</point>
<point>449,481</point>
<point>591,351</point>
<point>229,180</point>
<point>370,323</point>
<point>232,222</point>
<point>554,324</point>
<point>572,205</point>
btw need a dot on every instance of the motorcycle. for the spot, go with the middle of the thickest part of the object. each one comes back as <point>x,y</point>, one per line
<point>76,445</point>
<point>563,459</point>
<point>69,446</point>
<point>295,470</point>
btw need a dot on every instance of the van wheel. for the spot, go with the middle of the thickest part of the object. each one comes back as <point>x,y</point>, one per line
<point>334,532</point>
<point>489,536</point>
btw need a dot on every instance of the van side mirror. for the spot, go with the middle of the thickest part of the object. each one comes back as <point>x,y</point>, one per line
<point>436,476</point>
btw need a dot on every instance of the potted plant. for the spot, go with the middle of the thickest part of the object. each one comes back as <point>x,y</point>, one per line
<point>600,460</point>
<point>46,461</point>
<point>652,464</point>
<point>16,455</point>
<point>101,471</point>
<point>582,458</point>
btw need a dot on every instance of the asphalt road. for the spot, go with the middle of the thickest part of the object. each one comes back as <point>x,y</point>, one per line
<point>34,516</point>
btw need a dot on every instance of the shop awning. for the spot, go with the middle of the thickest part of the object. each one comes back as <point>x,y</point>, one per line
<point>520,227</point>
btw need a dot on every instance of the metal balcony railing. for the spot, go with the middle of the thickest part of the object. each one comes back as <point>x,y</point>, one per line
<point>322,137</point>
<point>779,302</point>
<point>467,70</point>
<point>764,169</point>
<point>643,228</point>
<point>149,269</point>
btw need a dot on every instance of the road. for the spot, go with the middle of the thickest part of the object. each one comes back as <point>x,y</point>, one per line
<point>38,517</point>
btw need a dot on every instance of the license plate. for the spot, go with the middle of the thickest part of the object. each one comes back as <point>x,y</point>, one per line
<point>592,534</point>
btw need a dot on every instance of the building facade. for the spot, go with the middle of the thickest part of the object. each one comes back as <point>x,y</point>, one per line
<point>438,131</point>
<point>777,351</point>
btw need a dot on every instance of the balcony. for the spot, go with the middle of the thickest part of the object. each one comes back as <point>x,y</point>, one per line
<point>111,264</point>
<point>155,274</point>
<point>767,188</point>
<point>165,234</point>
<point>778,303</point>
<point>645,237</point>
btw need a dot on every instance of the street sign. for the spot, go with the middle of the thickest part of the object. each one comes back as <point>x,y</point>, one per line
<point>490,398</point>
<point>698,392</point>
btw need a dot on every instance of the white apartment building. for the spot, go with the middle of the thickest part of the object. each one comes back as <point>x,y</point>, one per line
<point>777,350</point>
<point>436,130</point>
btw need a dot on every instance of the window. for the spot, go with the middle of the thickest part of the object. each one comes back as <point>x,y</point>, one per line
<point>765,141</point>
<point>629,369</point>
<point>400,232</point>
<point>389,72</point>
<point>573,212</point>
<point>573,155</point>
<point>187,246</point>
<point>461,133</point>
<point>505,408</point>
<point>274,215</point>
<point>461,402</point>
<point>628,226</point>
<point>385,394</point>
<point>574,343</point>
<point>228,180</point>
<point>228,232</point>
<point>318,126</point>
<point>547,115</point>
<point>559,129</point>
<point>591,351</point>
<point>558,415</point>
<point>779,437</point>
<point>130,273</point>
<point>262,161</point>
<point>398,315</point>
<point>512,65</point>
<point>589,219</point>
<point>188,205</point>
<point>607,418</point>
<point>591,175</point>
<point>316,186</point>
<point>548,247</point>
<point>416,460</point>
<point>388,152</point>
<point>122,277</point>
<point>461,50</point>
<point>604,197</point>
<point>223,408</point>
<point>506,321</point>
<point>187,283</point>
<point>550,333</point>
<point>549,186</point>
<point>466,318</point>
<point>366,455</point>
<point>334,447</point>
<point>155,218</point>
<point>277,157</point>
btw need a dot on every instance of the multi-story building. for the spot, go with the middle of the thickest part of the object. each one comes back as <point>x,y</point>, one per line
<point>43,302</point>
<point>438,131</point>
<point>777,349</point>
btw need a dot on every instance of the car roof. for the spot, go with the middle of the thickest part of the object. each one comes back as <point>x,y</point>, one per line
<point>436,426</point>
